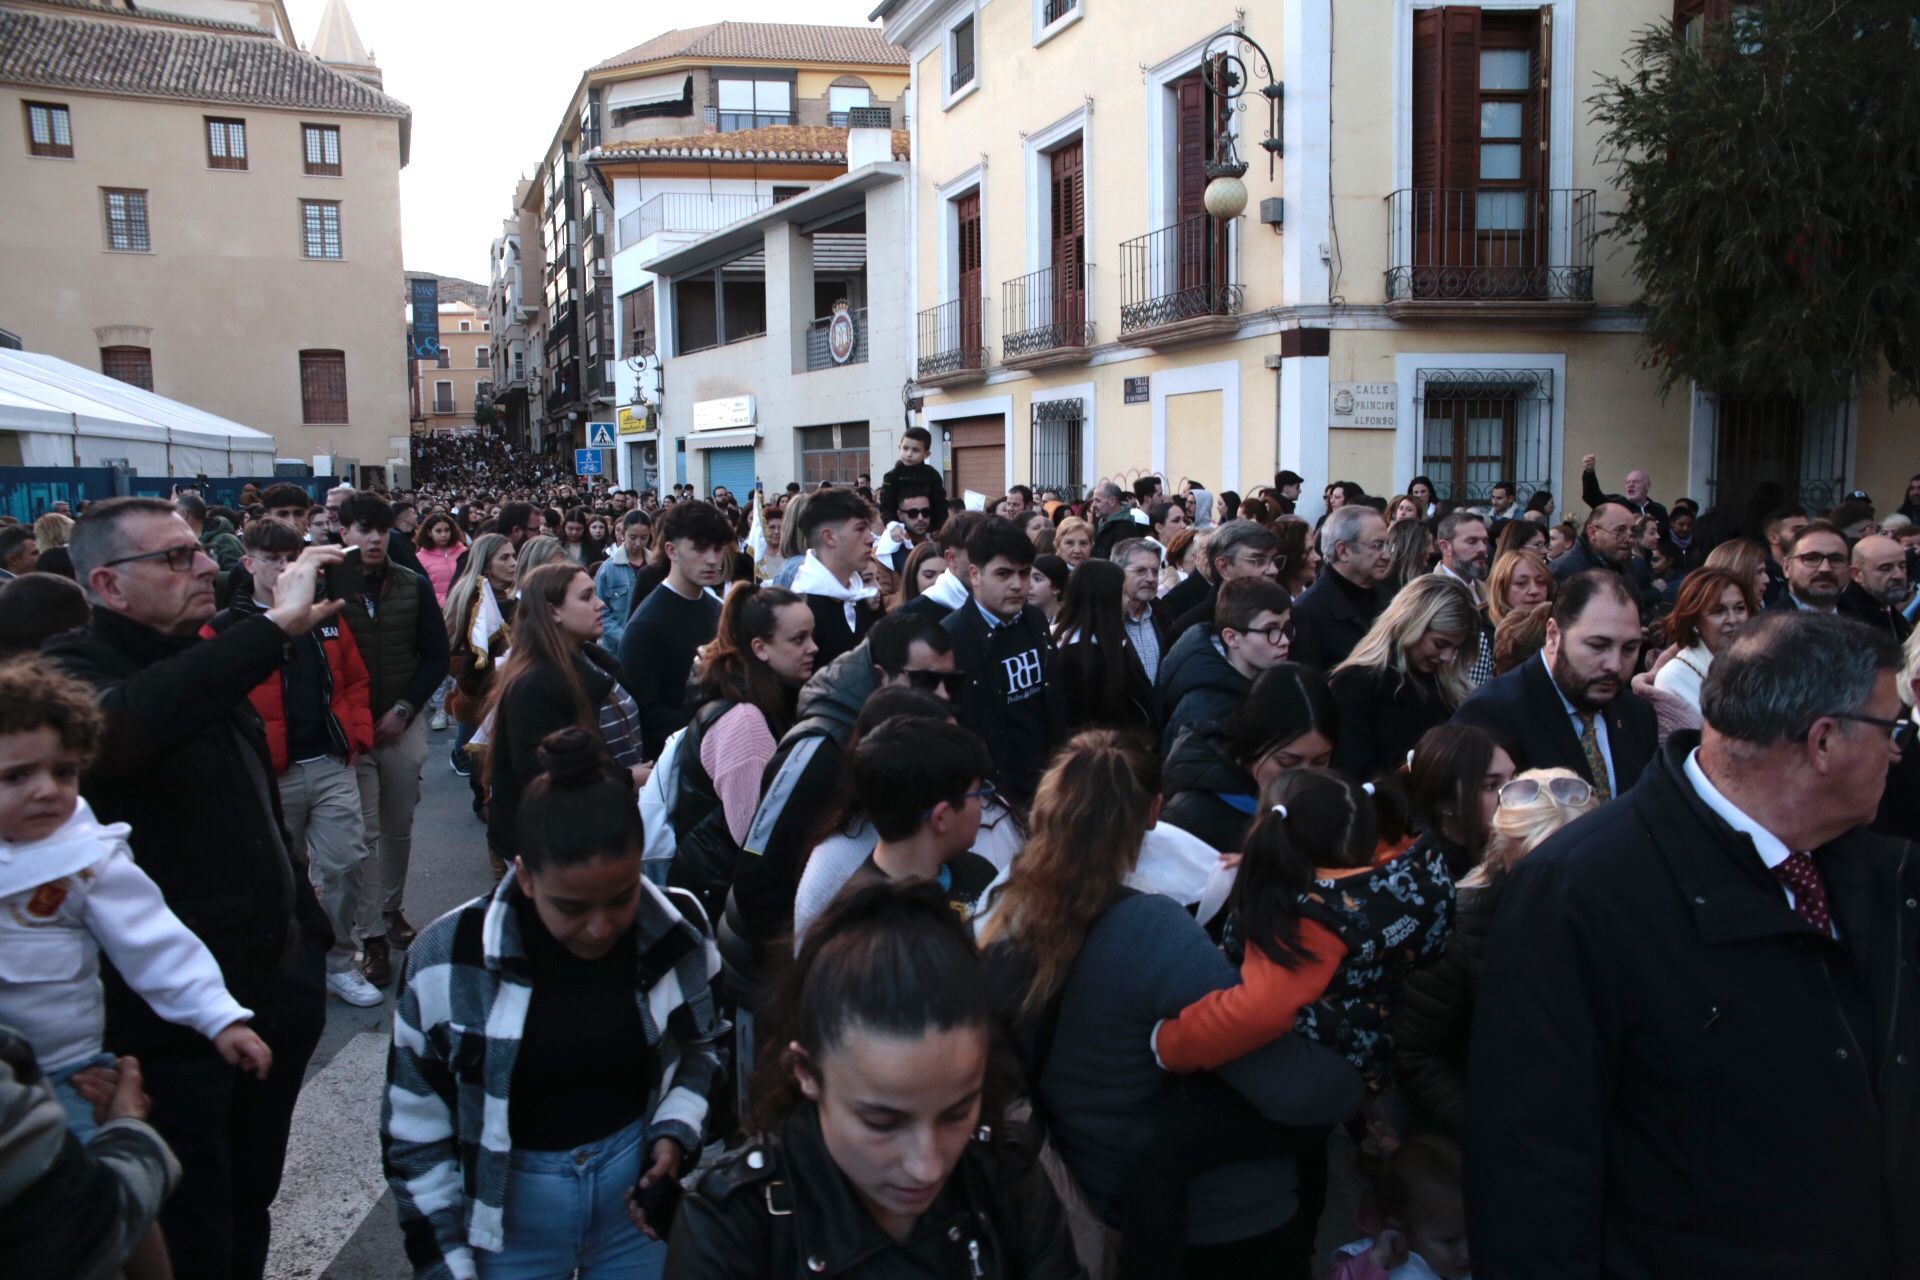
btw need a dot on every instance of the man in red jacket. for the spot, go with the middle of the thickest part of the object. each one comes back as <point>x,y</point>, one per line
<point>317,718</point>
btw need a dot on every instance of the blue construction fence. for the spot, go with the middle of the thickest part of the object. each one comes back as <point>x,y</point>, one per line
<point>27,493</point>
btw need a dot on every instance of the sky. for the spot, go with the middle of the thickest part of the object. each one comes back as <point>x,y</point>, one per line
<point>489,80</point>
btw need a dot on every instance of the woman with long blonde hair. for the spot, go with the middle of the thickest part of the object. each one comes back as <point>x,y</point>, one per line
<point>1409,673</point>
<point>1518,580</point>
<point>1070,949</point>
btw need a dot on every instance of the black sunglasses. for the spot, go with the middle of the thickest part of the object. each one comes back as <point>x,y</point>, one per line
<point>927,681</point>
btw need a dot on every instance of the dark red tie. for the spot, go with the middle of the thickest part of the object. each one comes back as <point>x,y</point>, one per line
<point>1800,875</point>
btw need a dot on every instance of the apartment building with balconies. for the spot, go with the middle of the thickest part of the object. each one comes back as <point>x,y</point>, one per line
<point>724,77</point>
<point>1416,282</point>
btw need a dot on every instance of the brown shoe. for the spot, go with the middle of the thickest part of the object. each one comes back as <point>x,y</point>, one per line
<point>399,932</point>
<point>375,964</point>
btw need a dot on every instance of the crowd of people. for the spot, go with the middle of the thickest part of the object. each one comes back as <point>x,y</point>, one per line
<point>1056,885</point>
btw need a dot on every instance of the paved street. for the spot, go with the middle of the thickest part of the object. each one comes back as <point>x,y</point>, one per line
<point>334,1217</point>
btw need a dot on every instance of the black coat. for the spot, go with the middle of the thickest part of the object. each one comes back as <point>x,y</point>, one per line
<point>1191,590</point>
<point>780,1209</point>
<point>830,629</point>
<point>1432,1024</point>
<point>1080,674</point>
<point>184,760</point>
<point>539,703</point>
<point>1331,618</point>
<point>1523,710</point>
<point>1382,715</point>
<point>1856,603</point>
<point>1673,1075</point>
<point>1207,794</point>
<point>1021,741</point>
<point>1198,687</point>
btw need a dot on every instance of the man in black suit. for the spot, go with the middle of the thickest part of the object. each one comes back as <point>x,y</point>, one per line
<point>1338,609</point>
<point>1572,708</point>
<point>1710,982</point>
<point>837,525</point>
<point>1635,499</point>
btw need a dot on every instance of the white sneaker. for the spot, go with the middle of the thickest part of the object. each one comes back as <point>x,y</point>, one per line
<point>350,986</point>
<point>439,722</point>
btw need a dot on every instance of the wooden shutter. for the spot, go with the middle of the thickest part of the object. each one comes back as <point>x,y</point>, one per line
<point>1202,112</point>
<point>1069,227</point>
<point>1460,92</point>
<point>131,365</point>
<point>1190,148</point>
<point>1535,166</point>
<point>967,213</point>
<point>323,386</point>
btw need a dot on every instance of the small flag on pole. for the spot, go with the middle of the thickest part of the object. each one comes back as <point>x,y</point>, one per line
<point>757,534</point>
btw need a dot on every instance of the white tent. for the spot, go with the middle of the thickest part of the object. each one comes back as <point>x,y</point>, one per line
<point>61,415</point>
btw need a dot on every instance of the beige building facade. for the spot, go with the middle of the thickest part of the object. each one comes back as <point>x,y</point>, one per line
<point>447,390</point>
<point>228,236</point>
<point>1415,286</point>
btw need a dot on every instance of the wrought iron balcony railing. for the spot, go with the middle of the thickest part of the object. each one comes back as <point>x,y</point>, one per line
<point>1470,246</point>
<point>952,338</point>
<point>1046,310</point>
<point>1178,273</point>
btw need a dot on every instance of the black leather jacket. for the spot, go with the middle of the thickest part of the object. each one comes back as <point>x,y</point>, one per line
<point>780,1208</point>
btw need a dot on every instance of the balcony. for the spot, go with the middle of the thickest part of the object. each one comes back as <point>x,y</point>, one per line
<point>962,77</point>
<point>1177,285</point>
<point>686,211</point>
<point>820,348</point>
<point>1460,254</point>
<point>1046,319</point>
<point>953,348</point>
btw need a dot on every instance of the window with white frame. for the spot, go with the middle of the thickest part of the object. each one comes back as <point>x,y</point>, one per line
<point>127,221</point>
<point>320,228</point>
<point>961,48</point>
<point>443,397</point>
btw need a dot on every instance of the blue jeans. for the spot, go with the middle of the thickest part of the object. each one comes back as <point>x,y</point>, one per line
<point>568,1210</point>
<point>79,1110</point>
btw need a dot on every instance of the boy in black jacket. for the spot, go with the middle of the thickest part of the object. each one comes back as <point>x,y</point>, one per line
<point>914,475</point>
<point>1002,642</point>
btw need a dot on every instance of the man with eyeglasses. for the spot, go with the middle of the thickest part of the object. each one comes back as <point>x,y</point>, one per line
<point>1237,549</point>
<point>1337,611</point>
<point>1710,982</point>
<point>1816,564</point>
<point>1206,676</point>
<point>184,762</point>
<point>1141,614</point>
<point>1879,587</point>
<point>802,779</point>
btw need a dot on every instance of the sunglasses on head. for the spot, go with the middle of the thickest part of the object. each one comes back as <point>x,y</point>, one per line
<point>1573,792</point>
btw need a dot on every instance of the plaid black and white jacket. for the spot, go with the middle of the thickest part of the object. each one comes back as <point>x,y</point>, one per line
<point>456,1033</point>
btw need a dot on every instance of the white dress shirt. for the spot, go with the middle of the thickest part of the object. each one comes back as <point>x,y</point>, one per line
<point>1772,850</point>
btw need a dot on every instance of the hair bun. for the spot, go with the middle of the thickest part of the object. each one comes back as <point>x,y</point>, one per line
<point>572,757</point>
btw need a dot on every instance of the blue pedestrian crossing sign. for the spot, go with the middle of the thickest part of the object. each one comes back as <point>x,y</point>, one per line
<point>599,435</point>
<point>586,462</point>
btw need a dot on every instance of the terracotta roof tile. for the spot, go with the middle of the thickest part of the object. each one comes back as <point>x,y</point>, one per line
<point>770,41</point>
<point>109,55</point>
<point>778,142</point>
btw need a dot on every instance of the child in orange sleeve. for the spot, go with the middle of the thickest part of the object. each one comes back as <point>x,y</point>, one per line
<point>1331,918</point>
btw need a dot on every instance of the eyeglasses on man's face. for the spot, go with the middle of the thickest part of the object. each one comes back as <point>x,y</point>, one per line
<point>180,559</point>
<point>1899,732</point>
<point>983,793</point>
<point>1814,559</point>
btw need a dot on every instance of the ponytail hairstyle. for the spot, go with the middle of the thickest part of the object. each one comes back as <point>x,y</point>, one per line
<point>1089,815</point>
<point>579,807</point>
<point>1308,818</point>
<point>890,958</point>
<point>728,667</point>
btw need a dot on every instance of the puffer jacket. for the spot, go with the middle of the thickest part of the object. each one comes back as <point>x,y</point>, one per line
<point>1431,1027</point>
<point>780,1208</point>
<point>351,727</point>
<point>1198,686</point>
<point>1207,794</point>
<point>440,564</point>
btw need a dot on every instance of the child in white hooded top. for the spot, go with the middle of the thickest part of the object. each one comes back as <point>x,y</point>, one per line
<point>69,888</point>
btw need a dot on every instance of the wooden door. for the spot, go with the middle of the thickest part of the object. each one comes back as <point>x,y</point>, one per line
<point>978,451</point>
<point>1199,242</point>
<point>1069,228</point>
<point>967,209</point>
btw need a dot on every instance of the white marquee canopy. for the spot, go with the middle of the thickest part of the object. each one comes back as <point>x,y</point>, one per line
<point>61,415</point>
